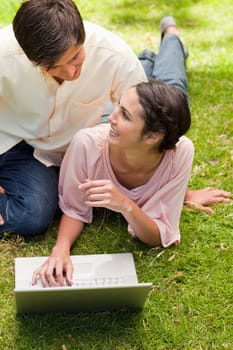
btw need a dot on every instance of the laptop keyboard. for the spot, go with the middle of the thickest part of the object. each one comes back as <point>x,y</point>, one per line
<point>89,283</point>
<point>100,282</point>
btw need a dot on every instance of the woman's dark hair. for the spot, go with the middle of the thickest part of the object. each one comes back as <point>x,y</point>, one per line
<point>45,29</point>
<point>165,110</point>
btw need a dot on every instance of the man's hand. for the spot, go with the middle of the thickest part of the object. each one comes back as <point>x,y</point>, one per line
<point>56,271</point>
<point>2,191</point>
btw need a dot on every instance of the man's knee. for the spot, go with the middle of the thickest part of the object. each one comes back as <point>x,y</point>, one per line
<point>27,215</point>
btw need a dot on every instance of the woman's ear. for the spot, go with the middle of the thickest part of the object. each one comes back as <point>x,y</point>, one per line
<point>154,138</point>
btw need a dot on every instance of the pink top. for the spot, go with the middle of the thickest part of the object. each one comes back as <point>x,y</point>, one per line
<point>161,198</point>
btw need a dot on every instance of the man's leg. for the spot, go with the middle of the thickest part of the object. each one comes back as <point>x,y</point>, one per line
<point>29,192</point>
<point>169,65</point>
<point>170,68</point>
<point>147,59</point>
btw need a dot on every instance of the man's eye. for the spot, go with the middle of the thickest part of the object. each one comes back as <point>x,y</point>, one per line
<point>75,57</point>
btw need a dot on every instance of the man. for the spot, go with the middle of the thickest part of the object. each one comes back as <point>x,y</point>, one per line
<point>56,76</point>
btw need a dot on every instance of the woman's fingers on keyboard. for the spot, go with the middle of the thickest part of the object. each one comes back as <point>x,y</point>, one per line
<point>45,274</point>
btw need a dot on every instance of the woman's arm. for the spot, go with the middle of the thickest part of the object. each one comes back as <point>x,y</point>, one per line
<point>58,267</point>
<point>103,193</point>
<point>144,227</point>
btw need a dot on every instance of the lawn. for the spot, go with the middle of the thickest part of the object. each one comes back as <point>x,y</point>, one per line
<point>191,304</point>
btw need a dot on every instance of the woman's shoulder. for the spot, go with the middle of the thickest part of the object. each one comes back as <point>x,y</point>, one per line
<point>183,153</point>
<point>185,143</point>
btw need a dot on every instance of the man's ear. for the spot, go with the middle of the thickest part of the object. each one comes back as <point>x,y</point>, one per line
<point>154,138</point>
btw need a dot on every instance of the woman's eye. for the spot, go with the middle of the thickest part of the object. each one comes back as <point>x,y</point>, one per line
<point>124,114</point>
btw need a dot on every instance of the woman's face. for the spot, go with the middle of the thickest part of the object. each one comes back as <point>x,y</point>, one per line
<point>126,122</point>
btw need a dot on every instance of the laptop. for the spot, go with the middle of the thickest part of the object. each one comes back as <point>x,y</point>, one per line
<point>101,282</point>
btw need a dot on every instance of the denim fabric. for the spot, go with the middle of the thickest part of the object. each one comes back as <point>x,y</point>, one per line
<point>147,59</point>
<point>168,66</point>
<point>30,201</point>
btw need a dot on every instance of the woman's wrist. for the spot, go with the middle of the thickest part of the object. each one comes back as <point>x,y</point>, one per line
<point>127,207</point>
<point>61,248</point>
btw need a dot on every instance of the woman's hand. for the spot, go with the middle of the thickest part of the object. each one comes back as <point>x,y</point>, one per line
<point>56,271</point>
<point>103,193</point>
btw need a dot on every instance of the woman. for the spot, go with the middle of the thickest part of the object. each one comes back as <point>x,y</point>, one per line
<point>139,165</point>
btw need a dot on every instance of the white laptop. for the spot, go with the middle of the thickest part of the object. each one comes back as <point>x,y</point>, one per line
<point>101,282</point>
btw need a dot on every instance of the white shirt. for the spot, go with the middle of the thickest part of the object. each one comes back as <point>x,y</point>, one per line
<point>35,108</point>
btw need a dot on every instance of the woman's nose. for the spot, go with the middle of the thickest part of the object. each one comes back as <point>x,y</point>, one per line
<point>112,117</point>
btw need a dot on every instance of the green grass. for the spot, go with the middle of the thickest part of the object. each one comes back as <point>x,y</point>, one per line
<point>191,304</point>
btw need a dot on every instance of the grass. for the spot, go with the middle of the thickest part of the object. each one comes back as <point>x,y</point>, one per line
<point>191,304</point>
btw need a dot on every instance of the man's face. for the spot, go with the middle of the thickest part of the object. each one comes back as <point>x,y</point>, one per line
<point>69,66</point>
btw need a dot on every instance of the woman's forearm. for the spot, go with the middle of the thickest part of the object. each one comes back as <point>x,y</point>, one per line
<point>144,227</point>
<point>69,230</point>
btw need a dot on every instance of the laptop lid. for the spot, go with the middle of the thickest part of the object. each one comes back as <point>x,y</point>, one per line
<point>101,282</point>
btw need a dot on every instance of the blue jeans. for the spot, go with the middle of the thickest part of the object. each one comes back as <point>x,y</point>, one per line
<point>168,66</point>
<point>30,201</point>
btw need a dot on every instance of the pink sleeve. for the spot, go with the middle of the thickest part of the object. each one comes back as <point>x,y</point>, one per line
<point>164,205</point>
